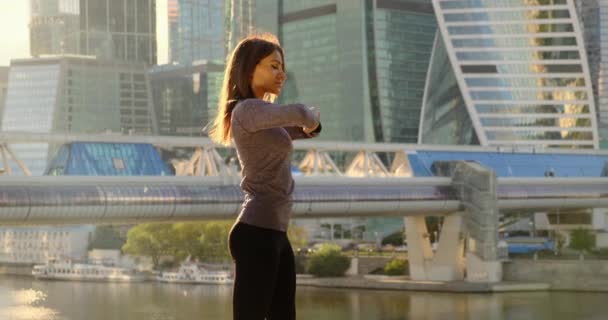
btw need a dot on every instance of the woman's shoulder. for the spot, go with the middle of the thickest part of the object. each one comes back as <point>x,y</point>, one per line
<point>244,108</point>
<point>250,102</point>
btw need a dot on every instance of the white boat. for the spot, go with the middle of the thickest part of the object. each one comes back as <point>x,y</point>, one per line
<point>67,270</point>
<point>192,272</point>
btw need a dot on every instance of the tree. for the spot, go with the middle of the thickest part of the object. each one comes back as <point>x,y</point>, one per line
<point>214,241</point>
<point>107,237</point>
<point>187,239</point>
<point>152,240</point>
<point>582,240</point>
<point>395,239</point>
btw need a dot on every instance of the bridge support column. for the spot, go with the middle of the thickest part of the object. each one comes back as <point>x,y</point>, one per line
<point>476,186</point>
<point>446,264</point>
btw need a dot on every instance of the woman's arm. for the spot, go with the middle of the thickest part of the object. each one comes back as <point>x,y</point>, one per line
<point>298,132</point>
<point>254,115</point>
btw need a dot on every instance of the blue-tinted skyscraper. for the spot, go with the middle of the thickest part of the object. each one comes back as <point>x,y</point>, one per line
<point>196,31</point>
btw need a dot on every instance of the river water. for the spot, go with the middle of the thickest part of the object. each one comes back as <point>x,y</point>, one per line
<point>23,298</point>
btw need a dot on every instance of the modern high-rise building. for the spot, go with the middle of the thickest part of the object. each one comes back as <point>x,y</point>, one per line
<point>509,73</point>
<point>185,97</point>
<point>363,63</point>
<point>108,29</point>
<point>594,23</point>
<point>196,31</point>
<point>74,94</point>
<point>241,20</point>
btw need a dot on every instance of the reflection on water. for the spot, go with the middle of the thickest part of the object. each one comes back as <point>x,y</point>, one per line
<point>22,304</point>
<point>24,298</point>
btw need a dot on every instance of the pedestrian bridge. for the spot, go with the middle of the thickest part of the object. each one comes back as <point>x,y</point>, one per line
<point>106,200</point>
<point>469,186</point>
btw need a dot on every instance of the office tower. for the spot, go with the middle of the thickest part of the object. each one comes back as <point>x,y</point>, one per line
<point>509,73</point>
<point>240,20</point>
<point>185,97</point>
<point>108,29</point>
<point>594,23</point>
<point>196,31</point>
<point>74,94</point>
<point>363,63</point>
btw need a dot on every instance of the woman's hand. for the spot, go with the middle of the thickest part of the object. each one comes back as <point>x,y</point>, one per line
<point>316,111</point>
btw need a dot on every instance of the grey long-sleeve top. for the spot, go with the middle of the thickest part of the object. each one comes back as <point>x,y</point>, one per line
<point>262,134</point>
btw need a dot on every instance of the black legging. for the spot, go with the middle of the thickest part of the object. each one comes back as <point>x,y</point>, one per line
<point>265,280</point>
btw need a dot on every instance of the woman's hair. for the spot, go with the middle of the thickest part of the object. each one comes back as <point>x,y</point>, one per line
<point>237,80</point>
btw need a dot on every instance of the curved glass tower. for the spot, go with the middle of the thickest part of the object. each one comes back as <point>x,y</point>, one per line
<point>521,70</point>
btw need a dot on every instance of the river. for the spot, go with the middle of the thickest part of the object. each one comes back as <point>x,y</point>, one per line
<point>24,298</point>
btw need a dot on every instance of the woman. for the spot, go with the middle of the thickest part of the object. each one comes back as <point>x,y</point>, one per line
<point>265,280</point>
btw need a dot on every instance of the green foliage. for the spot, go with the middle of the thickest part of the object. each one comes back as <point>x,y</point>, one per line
<point>396,267</point>
<point>187,239</point>
<point>206,241</point>
<point>395,239</point>
<point>107,237</point>
<point>328,261</point>
<point>582,240</point>
<point>151,239</point>
<point>214,241</point>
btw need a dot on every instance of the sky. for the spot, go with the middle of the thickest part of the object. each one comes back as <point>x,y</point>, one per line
<point>14,33</point>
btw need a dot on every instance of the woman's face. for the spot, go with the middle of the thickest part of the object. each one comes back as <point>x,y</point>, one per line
<point>268,76</point>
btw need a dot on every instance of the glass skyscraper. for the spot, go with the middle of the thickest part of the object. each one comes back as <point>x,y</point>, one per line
<point>522,76</point>
<point>79,95</point>
<point>108,29</point>
<point>240,19</point>
<point>594,22</point>
<point>196,31</point>
<point>185,97</point>
<point>364,63</point>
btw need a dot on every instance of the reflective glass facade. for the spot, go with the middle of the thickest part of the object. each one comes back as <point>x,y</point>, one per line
<point>521,70</point>
<point>594,22</point>
<point>54,26</point>
<point>80,95</point>
<point>185,98</point>
<point>445,119</point>
<point>314,71</point>
<point>399,41</point>
<point>107,159</point>
<point>30,106</point>
<point>196,31</point>
<point>363,63</point>
<point>109,29</point>
<point>240,20</point>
